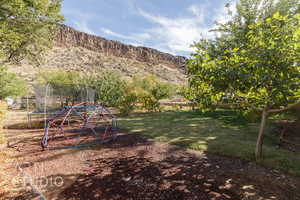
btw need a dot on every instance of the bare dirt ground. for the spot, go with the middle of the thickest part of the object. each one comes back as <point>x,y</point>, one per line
<point>289,134</point>
<point>133,167</point>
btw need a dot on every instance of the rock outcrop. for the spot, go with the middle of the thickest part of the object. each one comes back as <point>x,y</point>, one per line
<point>68,36</point>
<point>85,53</point>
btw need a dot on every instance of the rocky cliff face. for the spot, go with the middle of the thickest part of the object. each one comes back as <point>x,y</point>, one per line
<point>85,53</point>
<point>68,37</point>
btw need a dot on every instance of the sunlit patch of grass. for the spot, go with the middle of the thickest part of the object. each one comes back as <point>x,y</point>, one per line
<point>200,145</point>
<point>222,132</point>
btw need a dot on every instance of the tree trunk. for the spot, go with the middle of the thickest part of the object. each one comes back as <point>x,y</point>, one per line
<point>259,142</point>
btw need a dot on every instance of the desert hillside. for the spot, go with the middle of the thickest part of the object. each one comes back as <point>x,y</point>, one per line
<point>78,51</point>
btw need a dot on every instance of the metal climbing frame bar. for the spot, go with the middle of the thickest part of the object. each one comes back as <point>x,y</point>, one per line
<point>79,125</point>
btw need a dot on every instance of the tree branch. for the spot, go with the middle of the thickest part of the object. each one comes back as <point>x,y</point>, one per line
<point>284,109</point>
<point>239,103</point>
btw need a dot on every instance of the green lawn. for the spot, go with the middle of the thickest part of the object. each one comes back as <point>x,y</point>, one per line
<point>221,132</point>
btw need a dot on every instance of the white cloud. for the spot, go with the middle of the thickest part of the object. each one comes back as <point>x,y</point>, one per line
<point>82,25</point>
<point>142,36</point>
<point>223,16</point>
<point>198,11</point>
<point>80,19</point>
<point>114,34</point>
<point>177,34</point>
<point>172,35</point>
<point>135,44</point>
<point>136,39</point>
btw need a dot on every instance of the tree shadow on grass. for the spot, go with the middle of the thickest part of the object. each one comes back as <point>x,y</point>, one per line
<point>227,116</point>
<point>223,132</point>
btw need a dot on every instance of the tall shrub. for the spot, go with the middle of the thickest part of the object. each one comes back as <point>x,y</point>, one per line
<point>151,90</point>
<point>10,86</point>
<point>127,103</point>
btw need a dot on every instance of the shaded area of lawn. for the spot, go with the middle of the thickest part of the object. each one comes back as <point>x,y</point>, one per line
<point>221,132</point>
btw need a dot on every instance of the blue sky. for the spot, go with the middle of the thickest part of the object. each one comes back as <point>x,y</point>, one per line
<point>167,25</point>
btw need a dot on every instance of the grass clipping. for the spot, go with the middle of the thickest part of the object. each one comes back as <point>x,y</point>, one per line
<point>3,110</point>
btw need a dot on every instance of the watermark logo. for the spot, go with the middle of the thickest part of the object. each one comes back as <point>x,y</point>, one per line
<point>38,182</point>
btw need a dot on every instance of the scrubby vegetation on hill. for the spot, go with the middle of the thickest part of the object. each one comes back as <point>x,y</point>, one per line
<point>79,59</point>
